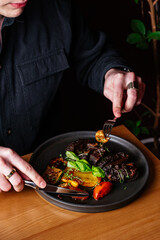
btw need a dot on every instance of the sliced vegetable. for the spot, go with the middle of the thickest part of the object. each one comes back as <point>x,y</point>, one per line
<point>73,183</point>
<point>72,164</point>
<point>71,155</point>
<point>102,190</point>
<point>52,174</point>
<point>98,172</point>
<point>85,179</point>
<point>81,165</point>
<point>84,166</point>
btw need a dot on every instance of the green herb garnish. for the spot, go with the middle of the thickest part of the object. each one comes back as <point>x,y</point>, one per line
<point>71,155</point>
<point>98,172</point>
<point>83,165</point>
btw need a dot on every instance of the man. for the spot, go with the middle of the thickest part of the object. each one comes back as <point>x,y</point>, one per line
<point>40,39</point>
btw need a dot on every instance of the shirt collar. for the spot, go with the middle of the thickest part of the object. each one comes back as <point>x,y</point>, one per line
<point>9,21</point>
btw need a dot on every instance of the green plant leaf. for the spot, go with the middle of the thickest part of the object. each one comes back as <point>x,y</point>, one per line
<point>136,131</point>
<point>83,167</point>
<point>145,130</point>
<point>138,123</point>
<point>134,38</point>
<point>84,161</point>
<point>98,172</point>
<point>72,155</point>
<point>138,26</point>
<point>154,35</point>
<point>72,164</point>
<point>79,165</point>
<point>142,45</point>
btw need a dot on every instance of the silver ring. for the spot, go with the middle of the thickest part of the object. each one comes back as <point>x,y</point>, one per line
<point>133,85</point>
<point>11,173</point>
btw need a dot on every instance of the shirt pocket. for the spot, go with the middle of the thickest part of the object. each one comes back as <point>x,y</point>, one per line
<point>39,68</point>
<point>39,80</point>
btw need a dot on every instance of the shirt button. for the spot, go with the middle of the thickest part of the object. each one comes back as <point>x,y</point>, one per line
<point>9,131</point>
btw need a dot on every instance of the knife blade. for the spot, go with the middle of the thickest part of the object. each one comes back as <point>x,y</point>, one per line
<point>57,190</point>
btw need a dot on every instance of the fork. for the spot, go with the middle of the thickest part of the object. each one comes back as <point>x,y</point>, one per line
<point>107,126</point>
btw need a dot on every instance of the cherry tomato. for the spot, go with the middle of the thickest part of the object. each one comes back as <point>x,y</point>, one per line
<point>102,190</point>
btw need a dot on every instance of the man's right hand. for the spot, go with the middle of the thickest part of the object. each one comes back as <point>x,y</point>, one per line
<point>10,160</point>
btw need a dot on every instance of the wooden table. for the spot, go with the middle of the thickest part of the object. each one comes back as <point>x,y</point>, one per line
<point>25,215</point>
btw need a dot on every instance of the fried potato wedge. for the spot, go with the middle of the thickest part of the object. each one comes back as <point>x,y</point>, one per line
<point>52,174</point>
<point>58,162</point>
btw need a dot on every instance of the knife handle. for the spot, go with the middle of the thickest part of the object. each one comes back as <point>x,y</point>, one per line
<point>30,184</point>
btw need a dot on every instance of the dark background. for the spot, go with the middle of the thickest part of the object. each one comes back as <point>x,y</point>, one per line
<point>84,109</point>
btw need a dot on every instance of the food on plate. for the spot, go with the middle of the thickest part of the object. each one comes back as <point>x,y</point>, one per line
<point>100,137</point>
<point>116,166</point>
<point>66,185</point>
<point>85,179</point>
<point>54,170</point>
<point>52,174</point>
<point>91,166</point>
<point>102,190</point>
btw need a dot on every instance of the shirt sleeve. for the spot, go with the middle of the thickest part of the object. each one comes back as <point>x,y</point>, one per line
<point>93,53</point>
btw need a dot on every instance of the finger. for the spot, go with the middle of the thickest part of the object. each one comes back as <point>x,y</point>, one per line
<point>23,176</point>
<point>108,92</point>
<point>131,100</point>
<point>30,173</point>
<point>15,180</point>
<point>132,93</point>
<point>118,97</point>
<point>129,77</point>
<point>5,186</point>
<point>23,166</point>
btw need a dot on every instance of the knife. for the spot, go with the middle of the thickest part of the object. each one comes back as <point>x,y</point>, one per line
<point>57,190</point>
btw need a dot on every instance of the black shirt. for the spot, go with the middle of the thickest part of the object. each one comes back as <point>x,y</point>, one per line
<point>37,47</point>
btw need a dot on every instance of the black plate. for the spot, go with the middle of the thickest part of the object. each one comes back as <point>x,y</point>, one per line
<point>121,194</point>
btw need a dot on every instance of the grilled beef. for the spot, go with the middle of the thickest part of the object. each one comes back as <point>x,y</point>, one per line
<point>117,166</point>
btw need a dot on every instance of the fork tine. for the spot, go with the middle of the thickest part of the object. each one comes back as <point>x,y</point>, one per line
<point>107,127</point>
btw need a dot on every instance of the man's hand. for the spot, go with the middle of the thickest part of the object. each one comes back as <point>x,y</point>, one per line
<point>10,160</point>
<point>115,88</point>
